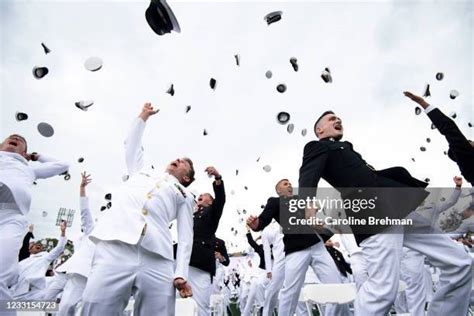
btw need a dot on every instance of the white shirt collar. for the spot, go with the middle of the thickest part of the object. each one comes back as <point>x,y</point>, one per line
<point>15,156</point>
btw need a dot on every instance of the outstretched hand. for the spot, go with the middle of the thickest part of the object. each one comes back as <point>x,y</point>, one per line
<point>211,171</point>
<point>416,99</point>
<point>147,111</point>
<point>85,179</point>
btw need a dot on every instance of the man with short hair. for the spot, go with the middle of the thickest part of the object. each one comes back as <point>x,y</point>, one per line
<point>16,179</point>
<point>302,250</point>
<point>134,250</point>
<point>395,194</point>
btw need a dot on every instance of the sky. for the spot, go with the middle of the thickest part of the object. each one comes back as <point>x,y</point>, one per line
<point>374,49</point>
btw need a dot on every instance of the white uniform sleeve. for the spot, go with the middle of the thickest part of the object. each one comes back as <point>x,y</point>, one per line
<point>451,201</point>
<point>185,238</point>
<point>56,251</point>
<point>267,250</point>
<point>133,147</point>
<point>429,108</point>
<point>87,223</point>
<point>48,167</point>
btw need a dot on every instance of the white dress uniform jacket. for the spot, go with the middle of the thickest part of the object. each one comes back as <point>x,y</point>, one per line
<point>272,235</point>
<point>81,260</point>
<point>33,269</point>
<point>147,203</point>
<point>18,175</point>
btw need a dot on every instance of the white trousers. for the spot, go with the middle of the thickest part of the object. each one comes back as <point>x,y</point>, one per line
<point>13,227</point>
<point>413,274</point>
<point>273,288</point>
<point>296,265</point>
<point>55,287</point>
<point>383,252</point>
<point>72,294</point>
<point>359,269</point>
<point>200,282</point>
<point>256,292</point>
<point>120,270</point>
<point>244,292</point>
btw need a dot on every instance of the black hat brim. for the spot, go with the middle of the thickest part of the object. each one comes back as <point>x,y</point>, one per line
<point>161,18</point>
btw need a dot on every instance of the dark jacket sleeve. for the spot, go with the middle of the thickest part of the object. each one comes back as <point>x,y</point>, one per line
<point>252,242</point>
<point>219,201</point>
<point>223,251</point>
<point>314,160</point>
<point>450,130</point>
<point>25,247</point>
<point>269,212</point>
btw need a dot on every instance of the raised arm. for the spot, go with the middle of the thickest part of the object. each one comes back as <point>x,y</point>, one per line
<point>47,167</point>
<point>56,251</point>
<point>251,241</point>
<point>25,248</point>
<point>444,124</point>
<point>219,193</point>
<point>185,242</point>
<point>87,223</point>
<point>452,200</point>
<point>133,143</point>
<point>270,212</point>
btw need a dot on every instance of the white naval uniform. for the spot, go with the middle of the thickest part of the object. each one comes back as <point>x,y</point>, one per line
<point>134,246</point>
<point>296,265</point>
<point>54,286</point>
<point>412,270</point>
<point>256,296</point>
<point>32,271</point>
<point>16,179</point>
<point>272,235</point>
<point>379,291</point>
<point>200,282</point>
<point>78,267</point>
<point>356,259</point>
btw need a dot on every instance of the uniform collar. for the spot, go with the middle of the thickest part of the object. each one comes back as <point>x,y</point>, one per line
<point>329,139</point>
<point>170,177</point>
<point>14,156</point>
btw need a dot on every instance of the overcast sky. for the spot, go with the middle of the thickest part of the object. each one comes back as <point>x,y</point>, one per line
<point>374,49</point>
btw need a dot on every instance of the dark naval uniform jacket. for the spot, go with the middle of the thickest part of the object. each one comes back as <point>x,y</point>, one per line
<point>206,220</point>
<point>344,169</point>
<point>294,238</point>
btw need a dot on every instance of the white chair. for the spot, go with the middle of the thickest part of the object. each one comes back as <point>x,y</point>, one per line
<point>401,288</point>
<point>217,304</point>
<point>343,293</point>
<point>186,306</point>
